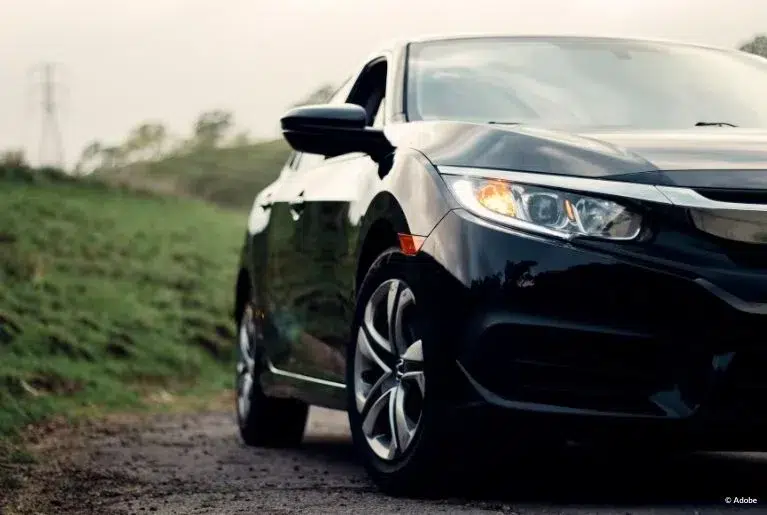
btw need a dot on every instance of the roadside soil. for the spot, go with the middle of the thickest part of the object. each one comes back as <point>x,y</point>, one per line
<point>195,463</point>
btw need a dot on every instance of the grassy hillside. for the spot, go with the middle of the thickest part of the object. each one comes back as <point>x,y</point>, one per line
<point>229,177</point>
<point>107,295</point>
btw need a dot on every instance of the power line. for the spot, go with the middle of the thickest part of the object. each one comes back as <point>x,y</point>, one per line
<point>51,147</point>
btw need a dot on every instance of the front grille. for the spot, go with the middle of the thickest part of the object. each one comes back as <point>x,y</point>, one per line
<point>587,370</point>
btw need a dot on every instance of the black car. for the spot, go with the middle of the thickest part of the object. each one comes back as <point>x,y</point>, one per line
<point>526,239</point>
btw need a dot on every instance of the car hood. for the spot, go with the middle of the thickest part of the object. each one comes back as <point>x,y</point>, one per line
<point>698,156</point>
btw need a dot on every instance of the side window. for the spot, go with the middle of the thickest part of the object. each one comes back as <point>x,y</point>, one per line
<point>378,121</point>
<point>370,90</point>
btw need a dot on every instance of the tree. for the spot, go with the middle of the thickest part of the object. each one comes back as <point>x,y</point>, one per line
<point>112,157</point>
<point>240,139</point>
<point>757,46</point>
<point>147,141</point>
<point>13,157</point>
<point>211,127</point>
<point>318,96</point>
<point>89,158</point>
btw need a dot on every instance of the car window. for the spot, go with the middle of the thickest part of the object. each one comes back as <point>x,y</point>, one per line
<point>571,82</point>
<point>378,121</point>
<point>370,89</point>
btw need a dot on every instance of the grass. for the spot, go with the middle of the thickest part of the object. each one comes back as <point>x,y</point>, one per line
<point>107,295</point>
<point>228,177</point>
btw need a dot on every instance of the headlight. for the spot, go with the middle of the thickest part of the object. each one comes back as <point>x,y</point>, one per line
<point>543,210</point>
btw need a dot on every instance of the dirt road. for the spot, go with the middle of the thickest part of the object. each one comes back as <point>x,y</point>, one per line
<point>196,464</point>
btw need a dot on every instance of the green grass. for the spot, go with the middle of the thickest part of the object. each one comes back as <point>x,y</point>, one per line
<point>106,295</point>
<point>229,177</point>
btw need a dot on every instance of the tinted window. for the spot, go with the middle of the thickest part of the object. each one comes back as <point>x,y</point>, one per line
<point>378,120</point>
<point>577,82</point>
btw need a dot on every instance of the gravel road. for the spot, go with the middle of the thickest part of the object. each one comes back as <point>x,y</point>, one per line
<point>196,464</point>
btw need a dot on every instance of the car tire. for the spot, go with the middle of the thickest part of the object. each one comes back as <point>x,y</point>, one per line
<point>263,421</point>
<point>412,462</point>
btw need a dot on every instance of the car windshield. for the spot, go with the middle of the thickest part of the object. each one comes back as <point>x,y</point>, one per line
<point>585,82</point>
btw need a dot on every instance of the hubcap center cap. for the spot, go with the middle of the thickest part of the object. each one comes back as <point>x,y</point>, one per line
<point>399,369</point>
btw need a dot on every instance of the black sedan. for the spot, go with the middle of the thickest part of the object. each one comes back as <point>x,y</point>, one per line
<point>526,240</point>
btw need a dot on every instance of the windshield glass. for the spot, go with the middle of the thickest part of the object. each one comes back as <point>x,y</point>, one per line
<point>585,82</point>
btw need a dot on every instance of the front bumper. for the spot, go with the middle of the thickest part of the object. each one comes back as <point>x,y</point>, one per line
<point>551,328</point>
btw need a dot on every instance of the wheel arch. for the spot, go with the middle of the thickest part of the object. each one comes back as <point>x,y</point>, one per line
<point>412,200</point>
<point>380,237</point>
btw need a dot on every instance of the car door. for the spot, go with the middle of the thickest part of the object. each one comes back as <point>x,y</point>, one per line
<point>286,274</point>
<point>333,197</point>
<point>283,274</point>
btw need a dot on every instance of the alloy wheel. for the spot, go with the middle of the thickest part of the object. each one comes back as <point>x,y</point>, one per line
<point>389,380</point>
<point>246,365</point>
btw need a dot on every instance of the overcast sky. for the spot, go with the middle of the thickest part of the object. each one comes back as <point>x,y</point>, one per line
<point>123,62</point>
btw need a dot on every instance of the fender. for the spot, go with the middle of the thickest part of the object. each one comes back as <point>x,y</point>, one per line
<point>423,200</point>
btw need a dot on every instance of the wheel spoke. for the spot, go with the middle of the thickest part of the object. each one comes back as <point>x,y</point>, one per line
<point>405,430</point>
<point>245,369</point>
<point>363,398</point>
<point>377,344</point>
<point>247,386</point>
<point>378,391</point>
<point>367,350</point>
<point>370,417</point>
<point>395,397</point>
<point>392,314</point>
<point>243,401</point>
<point>399,299</point>
<point>414,353</point>
<point>244,342</point>
<point>417,377</point>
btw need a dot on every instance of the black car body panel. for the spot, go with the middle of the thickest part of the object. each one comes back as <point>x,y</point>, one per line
<point>351,209</point>
<point>615,154</point>
<point>665,328</point>
<point>650,342</point>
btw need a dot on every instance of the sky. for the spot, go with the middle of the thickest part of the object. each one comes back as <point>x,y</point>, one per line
<point>122,62</point>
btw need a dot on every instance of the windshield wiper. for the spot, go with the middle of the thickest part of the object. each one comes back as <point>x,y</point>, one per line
<point>715,124</point>
<point>503,123</point>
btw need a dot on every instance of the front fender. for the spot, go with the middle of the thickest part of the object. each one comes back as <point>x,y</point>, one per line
<point>412,197</point>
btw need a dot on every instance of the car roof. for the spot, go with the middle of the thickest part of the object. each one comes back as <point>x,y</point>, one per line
<point>549,37</point>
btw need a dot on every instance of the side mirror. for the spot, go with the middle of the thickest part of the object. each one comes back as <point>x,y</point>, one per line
<point>332,130</point>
